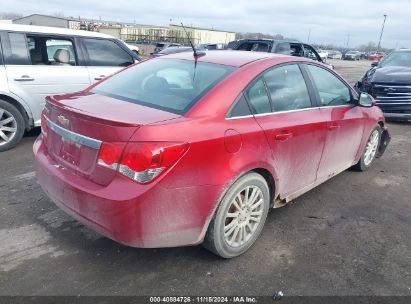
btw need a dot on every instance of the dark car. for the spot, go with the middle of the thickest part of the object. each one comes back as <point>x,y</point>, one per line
<point>287,47</point>
<point>171,50</point>
<point>210,46</point>
<point>352,55</point>
<point>389,82</point>
<point>163,45</point>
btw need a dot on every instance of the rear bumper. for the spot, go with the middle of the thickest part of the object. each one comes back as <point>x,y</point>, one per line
<point>145,216</point>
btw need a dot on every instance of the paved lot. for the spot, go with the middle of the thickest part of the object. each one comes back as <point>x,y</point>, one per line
<point>349,236</point>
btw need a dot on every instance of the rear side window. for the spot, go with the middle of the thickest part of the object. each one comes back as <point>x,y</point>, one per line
<point>102,52</point>
<point>240,108</point>
<point>45,50</point>
<point>332,91</point>
<point>287,88</point>
<point>17,53</point>
<point>258,98</point>
<point>166,84</point>
<point>296,49</point>
<point>283,48</point>
<point>55,46</point>
<point>255,46</point>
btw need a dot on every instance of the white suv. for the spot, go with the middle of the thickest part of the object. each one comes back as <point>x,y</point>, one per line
<point>39,61</point>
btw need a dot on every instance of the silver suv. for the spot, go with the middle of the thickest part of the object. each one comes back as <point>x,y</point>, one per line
<point>39,61</point>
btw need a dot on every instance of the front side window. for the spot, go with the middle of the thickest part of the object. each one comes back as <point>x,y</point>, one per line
<point>103,52</point>
<point>18,52</point>
<point>258,98</point>
<point>310,53</point>
<point>287,88</point>
<point>332,91</point>
<point>166,84</point>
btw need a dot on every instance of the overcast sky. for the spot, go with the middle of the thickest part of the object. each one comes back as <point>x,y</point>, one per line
<point>330,21</point>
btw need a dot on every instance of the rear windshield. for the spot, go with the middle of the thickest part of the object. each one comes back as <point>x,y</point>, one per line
<point>159,44</point>
<point>167,84</point>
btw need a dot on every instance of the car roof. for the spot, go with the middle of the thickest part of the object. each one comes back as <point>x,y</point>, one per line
<point>226,57</point>
<point>50,30</point>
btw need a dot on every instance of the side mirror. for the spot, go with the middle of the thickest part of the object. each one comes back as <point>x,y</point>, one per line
<point>365,100</point>
<point>374,64</point>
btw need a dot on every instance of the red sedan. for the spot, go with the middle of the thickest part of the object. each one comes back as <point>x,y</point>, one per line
<point>183,150</point>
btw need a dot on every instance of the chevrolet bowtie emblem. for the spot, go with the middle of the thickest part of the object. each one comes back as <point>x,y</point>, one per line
<point>62,120</point>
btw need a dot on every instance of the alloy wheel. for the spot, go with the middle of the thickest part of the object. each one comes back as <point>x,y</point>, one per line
<point>8,126</point>
<point>243,216</point>
<point>371,148</point>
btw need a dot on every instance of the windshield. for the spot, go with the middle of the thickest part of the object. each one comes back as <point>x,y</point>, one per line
<point>398,59</point>
<point>167,84</point>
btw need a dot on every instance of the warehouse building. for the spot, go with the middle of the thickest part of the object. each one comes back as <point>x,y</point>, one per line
<point>44,20</point>
<point>172,33</point>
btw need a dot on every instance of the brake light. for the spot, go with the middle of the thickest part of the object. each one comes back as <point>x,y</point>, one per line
<point>110,154</point>
<point>140,161</point>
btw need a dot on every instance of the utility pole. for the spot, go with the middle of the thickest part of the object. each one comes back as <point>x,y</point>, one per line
<point>382,30</point>
<point>309,35</point>
<point>348,40</point>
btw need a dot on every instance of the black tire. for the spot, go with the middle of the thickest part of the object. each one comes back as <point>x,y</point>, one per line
<point>215,239</point>
<point>11,111</point>
<point>362,164</point>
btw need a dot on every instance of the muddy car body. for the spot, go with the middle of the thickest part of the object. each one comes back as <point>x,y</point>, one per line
<point>181,150</point>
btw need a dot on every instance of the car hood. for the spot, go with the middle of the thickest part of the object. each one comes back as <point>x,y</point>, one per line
<point>389,74</point>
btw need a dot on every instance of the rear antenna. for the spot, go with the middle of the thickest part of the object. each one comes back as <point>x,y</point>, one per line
<point>189,40</point>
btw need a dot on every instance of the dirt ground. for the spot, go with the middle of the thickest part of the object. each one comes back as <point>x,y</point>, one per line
<point>349,236</point>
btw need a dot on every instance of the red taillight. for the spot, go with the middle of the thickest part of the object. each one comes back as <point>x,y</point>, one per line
<point>141,161</point>
<point>110,154</point>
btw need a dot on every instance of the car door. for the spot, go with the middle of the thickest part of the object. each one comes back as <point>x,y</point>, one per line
<point>104,57</point>
<point>345,121</point>
<point>33,72</point>
<point>293,126</point>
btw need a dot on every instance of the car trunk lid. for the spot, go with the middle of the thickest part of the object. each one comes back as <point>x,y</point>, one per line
<point>79,123</point>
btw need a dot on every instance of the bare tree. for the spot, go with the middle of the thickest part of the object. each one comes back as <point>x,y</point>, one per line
<point>10,16</point>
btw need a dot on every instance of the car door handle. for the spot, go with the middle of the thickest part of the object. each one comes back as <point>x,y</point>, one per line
<point>283,136</point>
<point>333,127</point>
<point>24,78</point>
<point>100,77</point>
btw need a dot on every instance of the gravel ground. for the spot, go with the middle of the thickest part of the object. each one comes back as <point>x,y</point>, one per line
<point>349,236</point>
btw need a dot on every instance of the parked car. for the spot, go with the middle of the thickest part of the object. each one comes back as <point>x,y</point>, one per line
<point>389,81</point>
<point>170,50</point>
<point>163,45</point>
<point>323,54</point>
<point>212,46</point>
<point>197,149</point>
<point>352,55</point>
<point>287,47</point>
<point>377,56</point>
<point>133,48</point>
<point>334,55</point>
<point>40,61</point>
